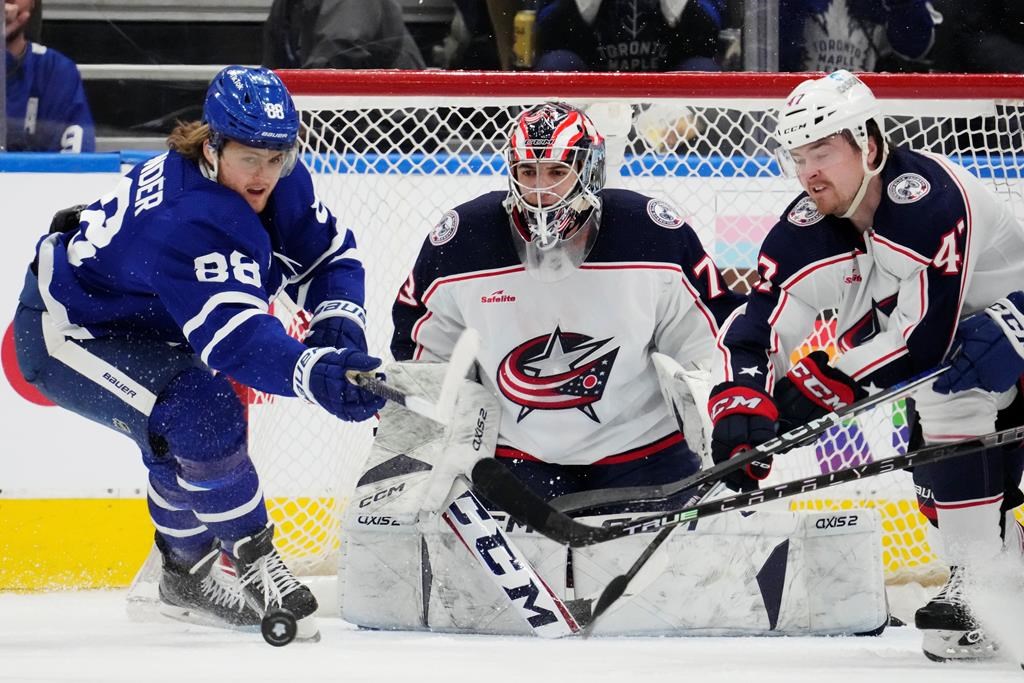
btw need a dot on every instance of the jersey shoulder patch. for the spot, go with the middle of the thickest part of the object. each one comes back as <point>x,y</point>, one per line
<point>805,213</point>
<point>445,229</point>
<point>908,188</point>
<point>664,214</point>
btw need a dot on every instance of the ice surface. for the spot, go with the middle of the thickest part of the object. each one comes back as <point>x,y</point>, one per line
<point>86,636</point>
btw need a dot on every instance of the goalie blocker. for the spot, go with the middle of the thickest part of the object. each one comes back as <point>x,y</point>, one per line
<point>736,574</point>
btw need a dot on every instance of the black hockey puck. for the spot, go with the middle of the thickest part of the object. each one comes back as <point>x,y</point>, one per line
<point>278,627</point>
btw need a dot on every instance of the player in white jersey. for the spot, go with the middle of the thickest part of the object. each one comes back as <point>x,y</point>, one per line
<point>572,286</point>
<point>903,244</point>
<point>133,301</point>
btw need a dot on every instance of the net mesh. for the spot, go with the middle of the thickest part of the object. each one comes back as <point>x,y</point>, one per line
<point>389,169</point>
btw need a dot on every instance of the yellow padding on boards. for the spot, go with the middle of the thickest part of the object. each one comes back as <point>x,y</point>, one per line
<point>905,551</point>
<point>77,543</point>
<point>54,544</point>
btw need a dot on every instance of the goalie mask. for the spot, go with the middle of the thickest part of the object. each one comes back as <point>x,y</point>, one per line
<point>555,162</point>
<point>251,106</point>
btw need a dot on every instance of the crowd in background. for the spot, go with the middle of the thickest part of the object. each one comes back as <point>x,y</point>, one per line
<point>47,108</point>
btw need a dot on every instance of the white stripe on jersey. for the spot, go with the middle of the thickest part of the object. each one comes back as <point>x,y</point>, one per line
<point>229,327</point>
<point>160,501</point>
<point>339,239</point>
<point>222,299</point>
<point>95,369</point>
<point>180,533</point>
<point>240,511</point>
<point>58,313</point>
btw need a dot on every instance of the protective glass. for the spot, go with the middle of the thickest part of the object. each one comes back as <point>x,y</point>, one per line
<point>251,160</point>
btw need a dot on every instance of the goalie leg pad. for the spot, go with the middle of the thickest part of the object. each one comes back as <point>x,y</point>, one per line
<point>405,484</point>
<point>769,573</point>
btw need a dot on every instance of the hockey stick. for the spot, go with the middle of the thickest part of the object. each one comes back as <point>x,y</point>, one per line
<point>792,439</point>
<point>543,611</point>
<point>618,585</point>
<point>461,360</point>
<point>469,520</point>
<point>502,484</point>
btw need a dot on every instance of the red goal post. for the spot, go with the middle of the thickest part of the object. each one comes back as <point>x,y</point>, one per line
<point>391,151</point>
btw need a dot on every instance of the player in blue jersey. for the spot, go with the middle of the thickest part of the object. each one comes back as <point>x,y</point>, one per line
<point>46,106</point>
<point>628,35</point>
<point>138,308</point>
<point>826,35</point>
<point>571,286</point>
<point>902,244</point>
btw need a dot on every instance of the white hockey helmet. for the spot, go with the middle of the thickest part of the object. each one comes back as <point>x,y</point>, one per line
<point>822,107</point>
<point>553,237</point>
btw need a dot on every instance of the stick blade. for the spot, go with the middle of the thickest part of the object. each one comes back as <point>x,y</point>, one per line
<point>463,356</point>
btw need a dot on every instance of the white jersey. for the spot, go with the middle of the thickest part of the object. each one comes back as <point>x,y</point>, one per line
<point>941,247</point>
<point>569,360</point>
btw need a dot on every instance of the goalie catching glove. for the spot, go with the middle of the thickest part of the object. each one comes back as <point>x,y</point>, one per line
<point>813,388</point>
<point>743,417</point>
<point>990,349</point>
<point>320,377</point>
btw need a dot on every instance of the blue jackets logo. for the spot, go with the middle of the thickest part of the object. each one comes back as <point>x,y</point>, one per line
<point>556,371</point>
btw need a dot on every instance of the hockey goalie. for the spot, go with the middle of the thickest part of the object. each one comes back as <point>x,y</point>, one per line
<point>572,287</point>
<point>417,552</point>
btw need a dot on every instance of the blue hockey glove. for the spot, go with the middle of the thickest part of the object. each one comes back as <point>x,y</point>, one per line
<point>338,324</point>
<point>813,388</point>
<point>990,349</point>
<point>743,417</point>
<point>320,378</point>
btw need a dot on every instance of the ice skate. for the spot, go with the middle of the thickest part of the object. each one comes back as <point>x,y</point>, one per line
<point>950,632</point>
<point>207,592</point>
<point>270,586</point>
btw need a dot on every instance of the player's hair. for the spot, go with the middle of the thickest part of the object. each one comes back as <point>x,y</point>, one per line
<point>875,133</point>
<point>188,138</point>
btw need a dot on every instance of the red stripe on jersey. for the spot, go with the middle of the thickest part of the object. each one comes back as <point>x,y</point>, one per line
<point>873,365</point>
<point>968,229</point>
<point>467,276</point>
<point>900,249</point>
<point>962,504</point>
<point>626,456</point>
<point>416,333</point>
<point>817,265</point>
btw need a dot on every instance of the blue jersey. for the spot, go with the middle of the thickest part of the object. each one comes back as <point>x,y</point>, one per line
<point>46,106</point>
<point>825,35</point>
<point>171,255</point>
<point>631,35</point>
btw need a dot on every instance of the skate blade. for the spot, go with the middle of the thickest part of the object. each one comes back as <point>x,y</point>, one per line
<point>959,646</point>
<point>190,616</point>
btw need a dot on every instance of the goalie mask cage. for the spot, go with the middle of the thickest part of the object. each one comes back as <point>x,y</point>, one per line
<point>392,151</point>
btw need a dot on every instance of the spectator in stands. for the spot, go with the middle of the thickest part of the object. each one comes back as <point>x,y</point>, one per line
<point>46,106</point>
<point>480,36</point>
<point>988,36</point>
<point>628,35</point>
<point>338,34</point>
<point>826,35</point>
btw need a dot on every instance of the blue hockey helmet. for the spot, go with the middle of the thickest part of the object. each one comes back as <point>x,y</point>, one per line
<point>250,105</point>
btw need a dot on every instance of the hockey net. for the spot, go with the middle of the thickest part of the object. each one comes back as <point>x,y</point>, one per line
<point>392,151</point>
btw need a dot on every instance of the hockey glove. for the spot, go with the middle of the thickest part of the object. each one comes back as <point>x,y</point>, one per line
<point>744,417</point>
<point>320,378</point>
<point>813,388</point>
<point>338,324</point>
<point>990,352</point>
